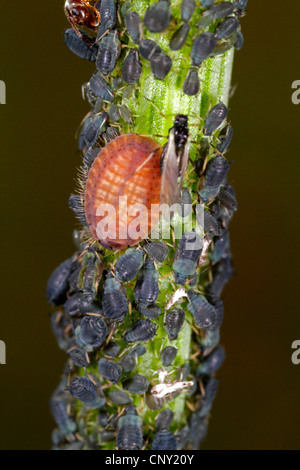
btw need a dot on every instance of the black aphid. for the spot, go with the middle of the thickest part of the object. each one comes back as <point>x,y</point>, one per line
<point>134,26</point>
<point>187,256</point>
<point>178,39</point>
<point>161,65</point>
<point>222,10</point>
<point>114,302</point>
<point>203,312</point>
<point>212,362</point>
<point>146,290</point>
<point>129,264</point>
<point>57,285</point>
<point>164,419</point>
<point>206,20</point>
<point>210,340</point>
<point>132,68</point>
<point>187,8</point>
<point>158,17</point>
<point>96,127</point>
<point>81,138</point>
<point>110,370</point>
<point>221,247</point>
<point>168,355</point>
<point>103,419</point>
<point>148,48</point>
<point>100,88</point>
<point>223,47</point>
<point>130,431</point>
<point>164,440</point>
<point>211,225</point>
<point>215,173</point>
<point>57,437</point>
<point>127,362</point>
<point>198,431</point>
<point>202,47</point>
<point>142,330</point>
<point>210,391</point>
<point>225,138</point>
<point>59,411</point>
<point>214,118</point>
<point>240,6</point>
<point>60,325</point>
<point>226,28</point>
<point>92,332</point>
<point>138,350</point>
<point>157,251</point>
<point>75,204</point>
<point>219,306</point>
<point>119,398</point>
<point>112,349</point>
<point>108,53</point>
<point>110,134</point>
<point>150,310</point>
<point>108,14</point>
<point>227,200</point>
<point>79,304</point>
<point>174,322</point>
<point>126,113</point>
<point>113,113</point>
<point>78,357</point>
<point>191,84</point>
<point>84,390</point>
<point>182,437</point>
<point>85,48</point>
<point>117,82</point>
<point>221,275</point>
<point>136,384</point>
<point>239,42</point>
<point>185,201</point>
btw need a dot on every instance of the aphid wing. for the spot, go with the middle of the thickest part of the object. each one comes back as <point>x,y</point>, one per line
<point>184,161</point>
<point>170,173</point>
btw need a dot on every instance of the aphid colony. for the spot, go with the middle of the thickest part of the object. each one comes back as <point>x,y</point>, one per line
<point>112,317</point>
<point>217,31</point>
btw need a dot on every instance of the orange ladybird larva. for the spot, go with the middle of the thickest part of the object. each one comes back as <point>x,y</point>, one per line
<point>127,166</point>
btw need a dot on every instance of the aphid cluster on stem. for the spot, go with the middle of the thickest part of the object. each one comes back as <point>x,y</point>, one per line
<point>139,319</point>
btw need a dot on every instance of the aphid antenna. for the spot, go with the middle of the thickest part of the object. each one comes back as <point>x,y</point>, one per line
<point>126,46</point>
<point>190,407</point>
<point>87,357</point>
<point>159,111</point>
<point>196,354</point>
<point>193,327</point>
<point>71,349</point>
<point>119,16</point>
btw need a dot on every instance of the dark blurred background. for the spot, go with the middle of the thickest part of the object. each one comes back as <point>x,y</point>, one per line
<point>257,406</point>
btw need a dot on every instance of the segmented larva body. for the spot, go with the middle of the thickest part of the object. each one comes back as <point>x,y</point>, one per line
<point>122,169</point>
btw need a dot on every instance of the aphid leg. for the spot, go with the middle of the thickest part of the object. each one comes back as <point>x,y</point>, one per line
<point>87,358</point>
<point>111,332</point>
<point>190,407</point>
